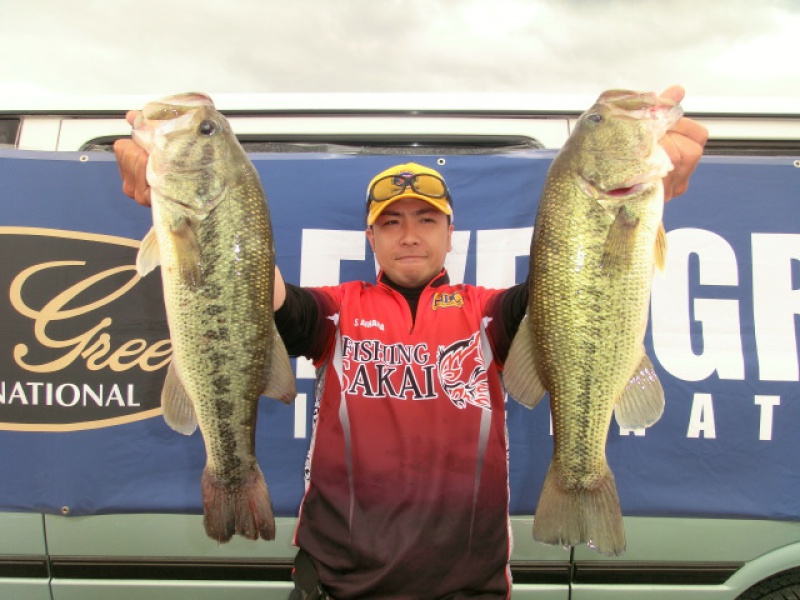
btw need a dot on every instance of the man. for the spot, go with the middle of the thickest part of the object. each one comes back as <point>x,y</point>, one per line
<point>407,491</point>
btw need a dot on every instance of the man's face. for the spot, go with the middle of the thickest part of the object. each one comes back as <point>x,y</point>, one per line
<point>410,240</point>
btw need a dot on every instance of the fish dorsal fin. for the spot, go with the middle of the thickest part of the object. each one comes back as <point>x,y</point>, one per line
<point>642,401</point>
<point>281,383</point>
<point>620,240</point>
<point>149,256</point>
<point>520,375</point>
<point>176,405</point>
<point>660,253</point>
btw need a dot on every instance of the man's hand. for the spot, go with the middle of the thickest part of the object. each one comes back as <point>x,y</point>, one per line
<point>132,161</point>
<point>684,145</point>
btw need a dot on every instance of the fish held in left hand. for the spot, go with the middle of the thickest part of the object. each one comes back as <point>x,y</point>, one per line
<point>212,238</point>
<point>597,237</point>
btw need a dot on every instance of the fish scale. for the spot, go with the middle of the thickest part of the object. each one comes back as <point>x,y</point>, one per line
<point>212,237</point>
<point>597,237</point>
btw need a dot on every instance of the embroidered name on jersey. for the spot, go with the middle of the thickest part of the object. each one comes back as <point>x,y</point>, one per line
<point>373,369</point>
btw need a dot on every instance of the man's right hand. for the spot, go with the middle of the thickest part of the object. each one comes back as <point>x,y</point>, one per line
<point>132,161</point>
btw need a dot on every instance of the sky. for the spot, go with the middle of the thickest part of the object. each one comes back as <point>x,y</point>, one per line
<point>742,48</point>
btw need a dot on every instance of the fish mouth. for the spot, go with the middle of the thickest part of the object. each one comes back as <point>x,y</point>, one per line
<point>630,188</point>
<point>642,105</point>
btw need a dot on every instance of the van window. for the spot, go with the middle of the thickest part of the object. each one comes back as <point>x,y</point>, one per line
<point>9,129</point>
<point>752,147</point>
<point>369,145</point>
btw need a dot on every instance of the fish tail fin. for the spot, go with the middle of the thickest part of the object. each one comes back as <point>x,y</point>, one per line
<point>567,517</point>
<point>244,509</point>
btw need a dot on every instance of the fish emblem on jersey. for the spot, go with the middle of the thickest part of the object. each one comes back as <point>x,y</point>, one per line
<point>462,373</point>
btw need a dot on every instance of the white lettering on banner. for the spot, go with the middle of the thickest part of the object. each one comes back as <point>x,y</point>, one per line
<point>498,250</point>
<point>673,309</point>
<point>775,305</point>
<point>300,413</point>
<point>67,395</point>
<point>323,250</point>
<point>767,403</point>
<point>304,369</point>
<point>635,432</point>
<point>701,420</point>
<point>456,260</point>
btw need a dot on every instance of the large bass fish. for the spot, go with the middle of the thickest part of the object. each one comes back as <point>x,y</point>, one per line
<point>597,237</point>
<point>212,238</point>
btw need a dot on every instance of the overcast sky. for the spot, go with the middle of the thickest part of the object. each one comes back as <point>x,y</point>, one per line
<point>159,47</point>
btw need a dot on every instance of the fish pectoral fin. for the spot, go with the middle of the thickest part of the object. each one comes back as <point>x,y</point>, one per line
<point>149,255</point>
<point>176,405</point>
<point>187,249</point>
<point>620,240</point>
<point>281,383</point>
<point>520,374</point>
<point>642,401</point>
<point>660,250</point>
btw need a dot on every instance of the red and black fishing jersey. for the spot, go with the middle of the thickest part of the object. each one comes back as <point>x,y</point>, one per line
<point>407,492</point>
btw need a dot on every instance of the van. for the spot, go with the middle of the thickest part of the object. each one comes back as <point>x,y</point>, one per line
<point>688,548</point>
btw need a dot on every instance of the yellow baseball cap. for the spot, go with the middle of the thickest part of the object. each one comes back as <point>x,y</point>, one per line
<point>408,180</point>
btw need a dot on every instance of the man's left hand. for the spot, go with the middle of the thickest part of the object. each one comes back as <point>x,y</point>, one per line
<point>684,145</point>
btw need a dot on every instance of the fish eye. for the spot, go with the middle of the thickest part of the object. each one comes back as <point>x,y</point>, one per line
<point>594,117</point>
<point>207,127</point>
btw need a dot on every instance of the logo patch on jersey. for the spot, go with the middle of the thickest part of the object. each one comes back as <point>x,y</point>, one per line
<point>442,300</point>
<point>462,373</point>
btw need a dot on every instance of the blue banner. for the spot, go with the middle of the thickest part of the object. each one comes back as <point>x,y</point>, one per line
<point>84,342</point>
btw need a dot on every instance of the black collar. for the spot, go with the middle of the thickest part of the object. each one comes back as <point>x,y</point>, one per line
<point>412,294</point>
<point>441,279</point>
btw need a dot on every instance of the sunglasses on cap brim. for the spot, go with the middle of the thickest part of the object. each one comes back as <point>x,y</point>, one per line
<point>392,186</point>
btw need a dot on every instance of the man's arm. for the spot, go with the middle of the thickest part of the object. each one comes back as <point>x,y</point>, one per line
<point>279,290</point>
